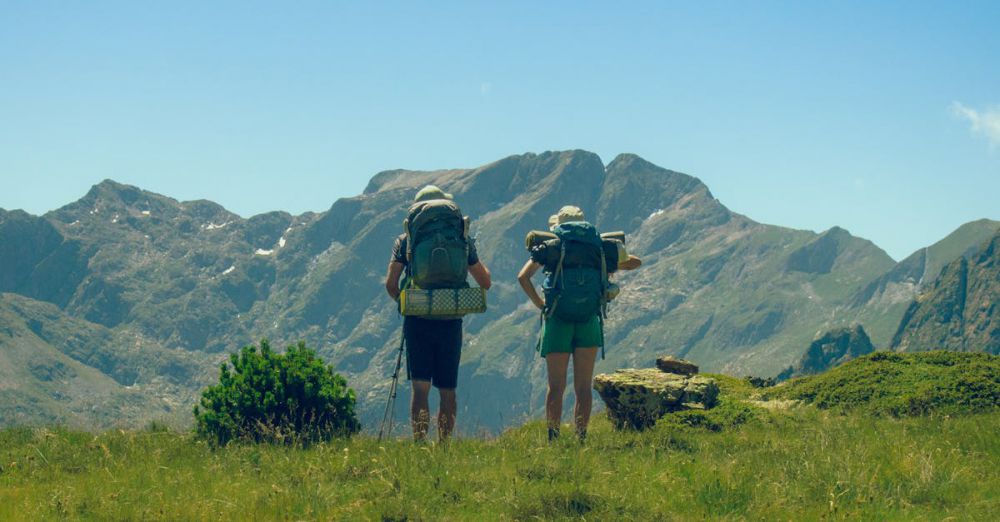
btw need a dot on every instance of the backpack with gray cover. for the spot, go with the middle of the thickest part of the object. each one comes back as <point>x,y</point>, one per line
<point>437,245</point>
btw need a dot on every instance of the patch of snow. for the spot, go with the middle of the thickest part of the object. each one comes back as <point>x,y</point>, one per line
<point>262,252</point>
<point>77,222</point>
<point>114,219</point>
<point>289,229</point>
<point>229,270</point>
<point>658,212</point>
<point>145,212</point>
<point>281,242</point>
<point>213,226</point>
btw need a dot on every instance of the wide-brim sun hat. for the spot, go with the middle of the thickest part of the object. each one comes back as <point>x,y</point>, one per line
<point>565,215</point>
<point>431,192</point>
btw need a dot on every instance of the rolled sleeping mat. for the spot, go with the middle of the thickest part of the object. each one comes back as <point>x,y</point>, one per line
<point>537,237</point>
<point>618,235</point>
<point>442,302</point>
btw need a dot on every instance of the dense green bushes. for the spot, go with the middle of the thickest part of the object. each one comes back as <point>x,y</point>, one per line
<point>903,384</point>
<point>272,397</point>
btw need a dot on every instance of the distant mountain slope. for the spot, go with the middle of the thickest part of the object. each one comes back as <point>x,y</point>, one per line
<point>883,301</point>
<point>56,369</point>
<point>175,285</point>
<point>960,311</point>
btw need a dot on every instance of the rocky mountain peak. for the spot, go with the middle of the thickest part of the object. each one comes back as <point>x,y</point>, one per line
<point>634,189</point>
<point>835,245</point>
<point>113,191</point>
<point>833,348</point>
<point>959,310</point>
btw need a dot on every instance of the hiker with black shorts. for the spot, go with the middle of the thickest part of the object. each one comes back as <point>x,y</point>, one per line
<point>577,262</point>
<point>437,254</point>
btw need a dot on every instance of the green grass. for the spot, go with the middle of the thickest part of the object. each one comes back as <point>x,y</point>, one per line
<point>735,461</point>
<point>902,384</point>
<point>804,464</point>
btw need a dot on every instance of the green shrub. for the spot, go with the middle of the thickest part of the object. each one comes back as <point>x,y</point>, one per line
<point>905,384</point>
<point>728,414</point>
<point>270,397</point>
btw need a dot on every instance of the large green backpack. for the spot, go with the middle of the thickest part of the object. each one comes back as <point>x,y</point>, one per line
<point>575,291</point>
<point>437,246</point>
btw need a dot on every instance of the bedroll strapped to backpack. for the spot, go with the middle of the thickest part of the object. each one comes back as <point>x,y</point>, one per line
<point>537,237</point>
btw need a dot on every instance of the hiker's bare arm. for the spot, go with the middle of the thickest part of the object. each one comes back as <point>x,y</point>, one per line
<point>631,263</point>
<point>481,274</point>
<point>392,279</point>
<point>524,278</point>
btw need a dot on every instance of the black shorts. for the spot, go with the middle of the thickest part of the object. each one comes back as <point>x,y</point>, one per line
<point>433,350</point>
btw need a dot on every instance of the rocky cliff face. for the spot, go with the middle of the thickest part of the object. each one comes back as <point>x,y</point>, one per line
<point>192,281</point>
<point>959,311</point>
<point>882,302</point>
<point>831,349</point>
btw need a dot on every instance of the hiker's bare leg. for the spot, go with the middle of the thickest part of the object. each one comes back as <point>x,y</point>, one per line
<point>446,413</point>
<point>583,375</point>
<point>557,364</point>
<point>420,415</point>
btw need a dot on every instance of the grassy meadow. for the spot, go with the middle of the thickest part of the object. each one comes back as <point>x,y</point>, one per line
<point>801,464</point>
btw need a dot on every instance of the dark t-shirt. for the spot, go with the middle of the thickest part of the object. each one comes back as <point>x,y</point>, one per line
<point>399,251</point>
<point>547,255</point>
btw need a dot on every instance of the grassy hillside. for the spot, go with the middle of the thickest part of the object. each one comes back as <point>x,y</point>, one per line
<point>739,460</point>
<point>901,384</point>
<point>803,466</point>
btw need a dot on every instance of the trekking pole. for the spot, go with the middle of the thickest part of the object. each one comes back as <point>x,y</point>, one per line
<point>391,401</point>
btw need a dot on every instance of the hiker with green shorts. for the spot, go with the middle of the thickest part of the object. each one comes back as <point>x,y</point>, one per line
<point>576,263</point>
<point>435,253</point>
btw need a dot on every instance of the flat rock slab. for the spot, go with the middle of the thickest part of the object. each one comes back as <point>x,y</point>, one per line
<point>671,364</point>
<point>637,398</point>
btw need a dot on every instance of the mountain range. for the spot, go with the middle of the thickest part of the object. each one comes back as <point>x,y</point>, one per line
<point>118,308</point>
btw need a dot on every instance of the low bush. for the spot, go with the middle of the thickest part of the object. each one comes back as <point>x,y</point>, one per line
<point>904,384</point>
<point>281,398</point>
<point>728,414</point>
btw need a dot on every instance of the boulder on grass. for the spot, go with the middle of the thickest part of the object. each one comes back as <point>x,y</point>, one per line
<point>671,364</point>
<point>636,399</point>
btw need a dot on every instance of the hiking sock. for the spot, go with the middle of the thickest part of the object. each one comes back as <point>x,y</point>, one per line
<point>553,434</point>
<point>582,435</point>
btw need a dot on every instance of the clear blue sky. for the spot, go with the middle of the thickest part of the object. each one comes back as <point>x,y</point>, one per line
<point>881,119</point>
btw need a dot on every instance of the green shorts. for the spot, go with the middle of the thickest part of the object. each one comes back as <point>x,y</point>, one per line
<point>560,336</point>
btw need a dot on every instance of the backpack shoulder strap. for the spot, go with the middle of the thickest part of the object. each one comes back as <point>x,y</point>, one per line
<point>409,242</point>
<point>557,280</point>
